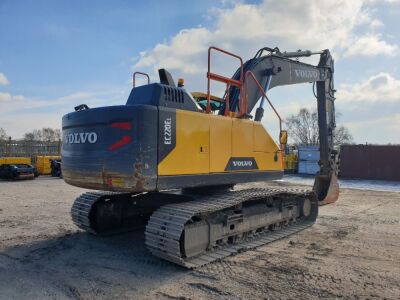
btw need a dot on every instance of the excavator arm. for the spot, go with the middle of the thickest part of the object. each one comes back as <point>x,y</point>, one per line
<point>283,68</point>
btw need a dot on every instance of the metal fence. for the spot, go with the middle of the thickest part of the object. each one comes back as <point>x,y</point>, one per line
<point>11,148</point>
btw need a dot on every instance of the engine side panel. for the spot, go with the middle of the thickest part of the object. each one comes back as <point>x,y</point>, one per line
<point>213,150</point>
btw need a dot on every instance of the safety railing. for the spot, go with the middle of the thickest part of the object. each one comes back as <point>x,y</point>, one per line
<point>228,81</point>
<point>139,73</point>
<point>246,89</point>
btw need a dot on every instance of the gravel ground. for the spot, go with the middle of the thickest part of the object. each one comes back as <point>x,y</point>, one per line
<point>352,252</point>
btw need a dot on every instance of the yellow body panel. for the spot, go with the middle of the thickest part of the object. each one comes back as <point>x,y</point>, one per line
<point>263,142</point>
<point>266,161</point>
<point>265,149</point>
<point>220,142</point>
<point>43,164</point>
<point>242,138</point>
<point>191,154</point>
<point>15,160</point>
<point>206,142</point>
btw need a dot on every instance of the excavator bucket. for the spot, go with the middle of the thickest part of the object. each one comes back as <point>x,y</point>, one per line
<point>327,188</point>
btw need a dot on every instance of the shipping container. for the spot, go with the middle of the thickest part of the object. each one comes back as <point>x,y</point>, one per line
<point>43,164</point>
<point>308,160</point>
<point>370,162</point>
<point>15,160</point>
<point>310,153</point>
<point>308,167</point>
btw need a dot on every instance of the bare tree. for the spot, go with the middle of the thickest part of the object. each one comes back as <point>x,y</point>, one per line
<point>50,134</point>
<point>342,136</point>
<point>303,129</point>
<point>3,135</point>
<point>43,135</point>
<point>31,136</point>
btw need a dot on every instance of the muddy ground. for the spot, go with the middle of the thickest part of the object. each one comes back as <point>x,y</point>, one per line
<point>352,252</point>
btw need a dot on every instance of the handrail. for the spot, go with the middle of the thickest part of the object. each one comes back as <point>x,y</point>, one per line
<point>251,74</point>
<point>140,73</point>
<point>228,81</point>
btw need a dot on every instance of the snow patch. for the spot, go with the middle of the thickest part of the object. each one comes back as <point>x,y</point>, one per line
<point>358,184</point>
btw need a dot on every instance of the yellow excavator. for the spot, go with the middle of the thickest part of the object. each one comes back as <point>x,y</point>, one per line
<point>169,160</point>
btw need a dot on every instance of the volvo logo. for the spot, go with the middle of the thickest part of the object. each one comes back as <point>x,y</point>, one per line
<point>241,163</point>
<point>309,74</point>
<point>245,163</point>
<point>80,138</point>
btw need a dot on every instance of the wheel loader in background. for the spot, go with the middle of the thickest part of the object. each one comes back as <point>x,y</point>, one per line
<point>165,162</point>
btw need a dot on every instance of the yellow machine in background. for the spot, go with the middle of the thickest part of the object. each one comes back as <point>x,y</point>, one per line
<point>43,164</point>
<point>291,163</point>
<point>15,160</point>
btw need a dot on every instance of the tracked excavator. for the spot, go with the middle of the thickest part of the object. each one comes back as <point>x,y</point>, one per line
<point>166,163</point>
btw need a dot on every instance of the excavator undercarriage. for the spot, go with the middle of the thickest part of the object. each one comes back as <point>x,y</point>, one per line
<point>166,164</point>
<point>194,229</point>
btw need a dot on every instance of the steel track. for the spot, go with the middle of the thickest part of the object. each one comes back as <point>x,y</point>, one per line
<point>166,225</point>
<point>82,208</point>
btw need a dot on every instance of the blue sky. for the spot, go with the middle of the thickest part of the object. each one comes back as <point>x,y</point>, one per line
<point>57,54</point>
<point>52,48</point>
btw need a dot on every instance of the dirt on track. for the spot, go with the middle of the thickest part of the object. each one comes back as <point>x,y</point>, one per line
<point>352,252</point>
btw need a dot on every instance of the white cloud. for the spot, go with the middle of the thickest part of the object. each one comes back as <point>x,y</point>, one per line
<point>244,28</point>
<point>391,122</point>
<point>388,1</point>
<point>83,95</point>
<point>186,45</point>
<point>376,23</point>
<point>19,114</point>
<point>3,79</point>
<point>371,108</point>
<point>381,130</point>
<point>6,97</point>
<point>381,87</point>
<point>17,126</point>
<point>17,103</point>
<point>371,45</point>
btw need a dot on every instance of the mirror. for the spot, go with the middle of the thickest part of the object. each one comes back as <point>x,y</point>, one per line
<point>283,137</point>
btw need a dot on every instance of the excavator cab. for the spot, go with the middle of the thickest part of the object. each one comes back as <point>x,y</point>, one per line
<point>215,102</point>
